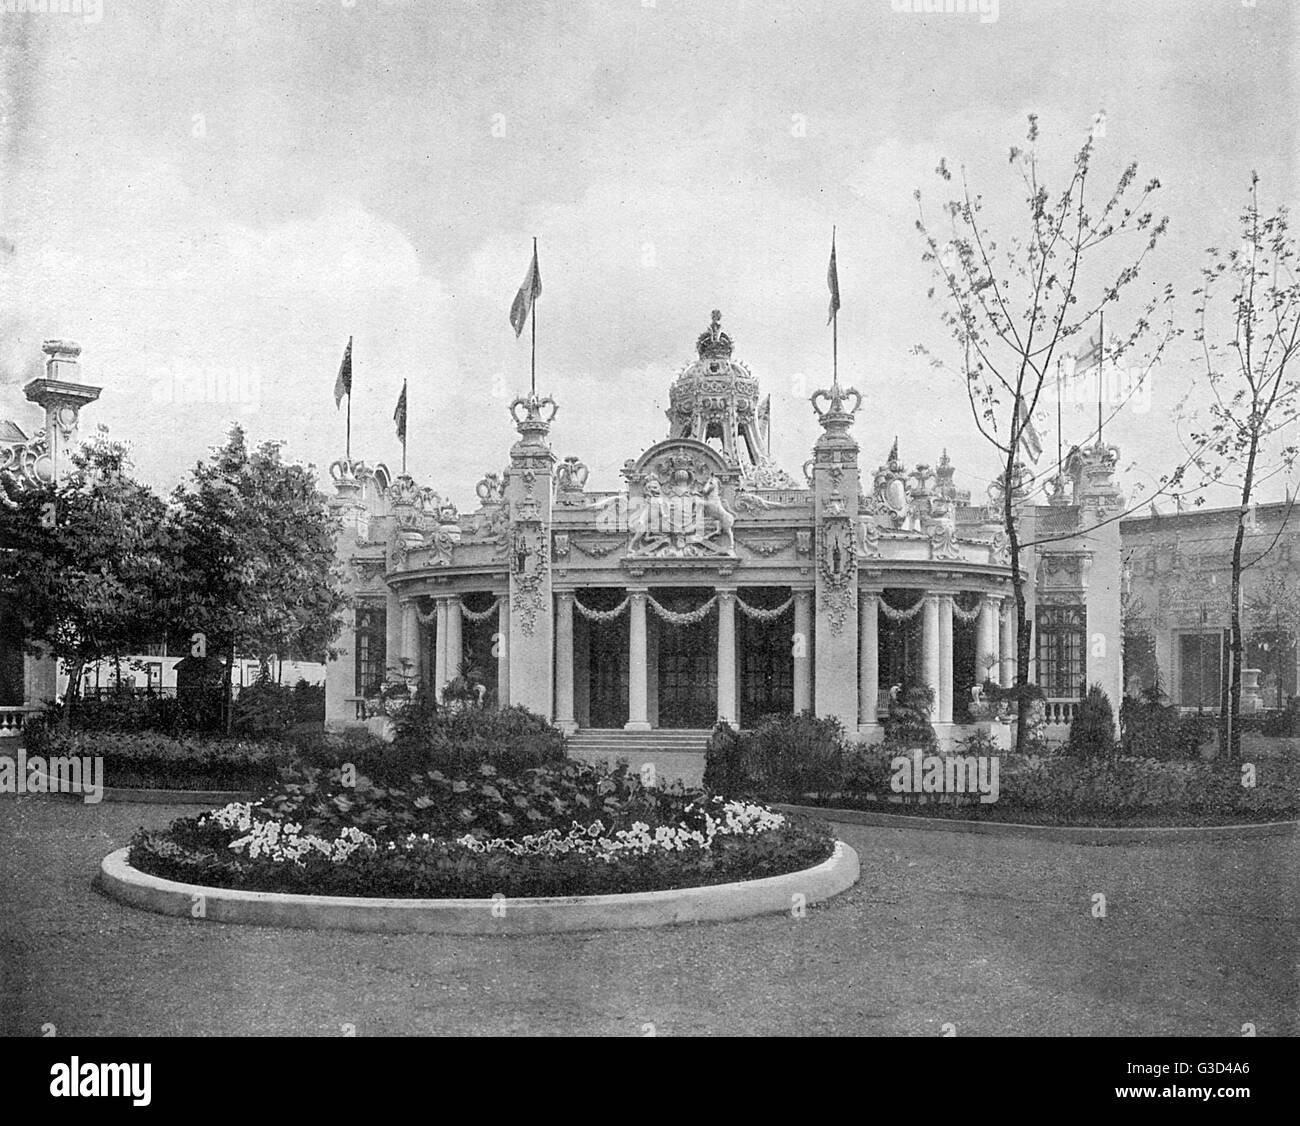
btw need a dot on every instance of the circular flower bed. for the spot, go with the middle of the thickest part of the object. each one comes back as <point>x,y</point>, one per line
<point>561,829</point>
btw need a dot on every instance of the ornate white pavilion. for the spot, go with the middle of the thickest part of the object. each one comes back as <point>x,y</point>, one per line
<point>713,586</point>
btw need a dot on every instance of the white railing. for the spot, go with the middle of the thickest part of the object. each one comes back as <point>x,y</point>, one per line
<point>1061,711</point>
<point>13,718</point>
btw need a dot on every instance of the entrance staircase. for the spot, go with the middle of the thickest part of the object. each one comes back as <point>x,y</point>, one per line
<point>676,753</point>
<point>614,742</point>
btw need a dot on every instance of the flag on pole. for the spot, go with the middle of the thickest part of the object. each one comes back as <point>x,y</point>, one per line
<point>833,283</point>
<point>1030,441</point>
<point>529,292</point>
<point>343,384</point>
<point>399,415</point>
<point>1089,354</point>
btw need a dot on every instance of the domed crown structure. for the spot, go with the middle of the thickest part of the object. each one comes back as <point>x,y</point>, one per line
<point>715,400</point>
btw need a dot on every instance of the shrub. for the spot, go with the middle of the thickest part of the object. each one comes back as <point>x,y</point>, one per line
<point>456,739</point>
<point>1092,731</point>
<point>153,760</point>
<point>268,708</point>
<point>784,757</point>
<point>907,726</point>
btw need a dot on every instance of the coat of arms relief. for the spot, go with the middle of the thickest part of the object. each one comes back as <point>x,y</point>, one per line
<point>677,509</point>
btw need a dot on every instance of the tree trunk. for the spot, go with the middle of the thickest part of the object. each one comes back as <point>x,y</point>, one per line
<point>1018,586</point>
<point>1230,724</point>
<point>227,704</point>
<point>74,687</point>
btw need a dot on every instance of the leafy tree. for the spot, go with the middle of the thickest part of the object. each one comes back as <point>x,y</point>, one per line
<point>1011,305</point>
<point>1249,331</point>
<point>255,557</point>
<point>85,563</point>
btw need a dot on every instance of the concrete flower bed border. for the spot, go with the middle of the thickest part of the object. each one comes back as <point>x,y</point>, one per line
<point>714,903</point>
<point>1073,834</point>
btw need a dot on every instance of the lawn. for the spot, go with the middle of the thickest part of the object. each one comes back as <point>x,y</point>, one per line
<point>994,935</point>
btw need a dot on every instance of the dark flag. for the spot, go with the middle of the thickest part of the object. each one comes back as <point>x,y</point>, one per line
<point>833,283</point>
<point>399,416</point>
<point>529,292</point>
<point>343,385</point>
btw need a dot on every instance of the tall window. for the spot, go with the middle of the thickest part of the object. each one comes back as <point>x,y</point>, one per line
<point>371,647</point>
<point>1062,660</point>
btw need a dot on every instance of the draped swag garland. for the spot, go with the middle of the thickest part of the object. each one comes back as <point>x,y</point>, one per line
<point>894,614</point>
<point>479,615</point>
<point>761,615</point>
<point>600,615</point>
<point>964,615</point>
<point>687,619</point>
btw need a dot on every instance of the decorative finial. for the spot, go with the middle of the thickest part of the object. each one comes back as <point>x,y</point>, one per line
<point>713,342</point>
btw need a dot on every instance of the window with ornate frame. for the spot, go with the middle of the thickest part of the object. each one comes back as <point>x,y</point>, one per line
<point>1062,633</point>
<point>371,647</point>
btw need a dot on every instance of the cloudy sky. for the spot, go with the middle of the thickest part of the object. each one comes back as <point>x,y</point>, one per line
<point>204,190</point>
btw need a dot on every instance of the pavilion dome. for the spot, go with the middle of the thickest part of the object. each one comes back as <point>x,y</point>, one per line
<point>716,400</point>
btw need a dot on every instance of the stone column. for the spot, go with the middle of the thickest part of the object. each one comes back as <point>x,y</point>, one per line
<point>801,645</point>
<point>868,661</point>
<point>411,637</point>
<point>502,645</point>
<point>987,635</point>
<point>637,720</point>
<point>455,646</point>
<point>930,649</point>
<point>995,639</point>
<point>564,718</point>
<point>943,705</point>
<point>727,658</point>
<point>1008,627</point>
<point>440,675</point>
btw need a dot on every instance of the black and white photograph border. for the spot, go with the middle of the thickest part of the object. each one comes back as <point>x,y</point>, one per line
<point>393,644</point>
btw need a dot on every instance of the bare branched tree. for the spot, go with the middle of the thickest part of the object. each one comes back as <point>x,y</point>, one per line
<point>1248,327</point>
<point>1011,306</point>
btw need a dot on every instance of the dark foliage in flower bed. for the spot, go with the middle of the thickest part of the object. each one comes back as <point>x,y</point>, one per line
<point>416,828</point>
<point>1060,787</point>
<point>438,869</point>
<point>149,760</point>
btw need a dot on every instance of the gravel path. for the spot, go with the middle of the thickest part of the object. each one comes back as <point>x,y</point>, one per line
<point>993,935</point>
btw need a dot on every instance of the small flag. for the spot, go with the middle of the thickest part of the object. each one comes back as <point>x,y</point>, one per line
<point>343,385</point>
<point>399,415</point>
<point>1030,442</point>
<point>1089,355</point>
<point>529,292</point>
<point>833,282</point>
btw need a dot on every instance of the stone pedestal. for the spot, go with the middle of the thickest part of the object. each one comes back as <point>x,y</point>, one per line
<point>528,495</point>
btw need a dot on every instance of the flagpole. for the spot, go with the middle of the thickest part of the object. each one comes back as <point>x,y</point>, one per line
<point>835,324</point>
<point>347,450</point>
<point>1059,461</point>
<point>532,282</point>
<point>405,415</point>
<point>1101,367</point>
